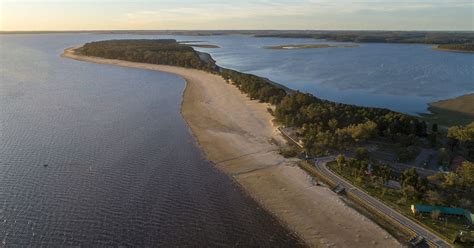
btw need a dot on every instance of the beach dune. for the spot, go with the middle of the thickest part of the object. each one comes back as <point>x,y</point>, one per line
<point>238,136</point>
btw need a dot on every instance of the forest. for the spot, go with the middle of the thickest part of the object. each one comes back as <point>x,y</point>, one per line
<point>424,37</point>
<point>327,124</point>
<point>165,52</point>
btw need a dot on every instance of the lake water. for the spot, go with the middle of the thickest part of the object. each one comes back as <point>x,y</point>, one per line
<point>122,168</point>
<point>401,77</point>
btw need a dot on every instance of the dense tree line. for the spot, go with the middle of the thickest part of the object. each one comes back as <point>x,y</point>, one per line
<point>329,124</point>
<point>381,36</point>
<point>461,140</point>
<point>255,87</point>
<point>165,52</point>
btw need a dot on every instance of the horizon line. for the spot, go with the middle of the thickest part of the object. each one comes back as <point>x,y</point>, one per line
<point>224,30</point>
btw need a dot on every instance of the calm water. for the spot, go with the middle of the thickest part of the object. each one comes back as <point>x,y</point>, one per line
<point>401,77</point>
<point>122,166</point>
<point>123,169</point>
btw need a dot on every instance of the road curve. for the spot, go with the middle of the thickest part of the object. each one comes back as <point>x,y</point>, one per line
<point>320,164</point>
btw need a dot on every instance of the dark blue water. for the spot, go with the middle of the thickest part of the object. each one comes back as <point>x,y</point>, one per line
<point>122,168</point>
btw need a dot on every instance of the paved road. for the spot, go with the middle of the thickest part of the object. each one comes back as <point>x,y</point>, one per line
<point>320,165</point>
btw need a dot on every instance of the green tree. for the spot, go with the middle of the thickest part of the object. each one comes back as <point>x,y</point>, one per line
<point>451,180</point>
<point>362,153</point>
<point>332,124</point>
<point>412,184</point>
<point>341,160</point>
<point>462,134</point>
<point>466,172</point>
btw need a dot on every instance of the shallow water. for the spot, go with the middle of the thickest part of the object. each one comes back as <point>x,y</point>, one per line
<point>122,168</point>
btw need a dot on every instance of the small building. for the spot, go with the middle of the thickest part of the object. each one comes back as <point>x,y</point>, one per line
<point>444,211</point>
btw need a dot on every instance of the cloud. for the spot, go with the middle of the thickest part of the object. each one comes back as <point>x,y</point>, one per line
<point>223,14</point>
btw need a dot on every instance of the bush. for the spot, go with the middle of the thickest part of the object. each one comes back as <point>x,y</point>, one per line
<point>289,152</point>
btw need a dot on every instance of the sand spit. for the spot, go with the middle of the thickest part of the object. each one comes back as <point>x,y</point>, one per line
<point>238,136</point>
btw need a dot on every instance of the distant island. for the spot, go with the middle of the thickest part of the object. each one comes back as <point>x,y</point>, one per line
<point>469,47</point>
<point>311,46</point>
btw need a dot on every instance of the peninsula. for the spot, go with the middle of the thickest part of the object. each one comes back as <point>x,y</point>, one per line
<point>237,133</point>
<point>242,123</point>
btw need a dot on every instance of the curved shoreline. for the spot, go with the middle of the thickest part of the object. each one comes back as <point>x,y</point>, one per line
<point>437,48</point>
<point>237,135</point>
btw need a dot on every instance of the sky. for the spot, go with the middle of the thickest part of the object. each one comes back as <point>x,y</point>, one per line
<point>37,15</point>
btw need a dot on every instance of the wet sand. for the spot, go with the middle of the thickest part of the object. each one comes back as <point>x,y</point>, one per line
<point>238,136</point>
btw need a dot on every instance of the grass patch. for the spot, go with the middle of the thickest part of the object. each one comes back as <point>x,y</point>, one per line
<point>456,111</point>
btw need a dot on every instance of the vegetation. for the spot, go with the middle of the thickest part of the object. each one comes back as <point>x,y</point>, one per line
<point>462,140</point>
<point>468,47</point>
<point>255,87</point>
<point>166,52</point>
<point>381,36</point>
<point>329,125</point>
<point>456,111</point>
<point>335,125</point>
<point>454,189</point>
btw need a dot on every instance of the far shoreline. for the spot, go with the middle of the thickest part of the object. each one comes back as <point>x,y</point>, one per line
<point>437,48</point>
<point>238,136</point>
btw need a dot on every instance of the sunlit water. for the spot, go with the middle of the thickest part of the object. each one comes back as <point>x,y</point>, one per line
<point>122,168</point>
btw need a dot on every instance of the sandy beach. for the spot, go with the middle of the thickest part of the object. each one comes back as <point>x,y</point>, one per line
<point>238,136</point>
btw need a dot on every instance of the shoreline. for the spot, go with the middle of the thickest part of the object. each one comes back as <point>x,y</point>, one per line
<point>437,48</point>
<point>452,111</point>
<point>238,137</point>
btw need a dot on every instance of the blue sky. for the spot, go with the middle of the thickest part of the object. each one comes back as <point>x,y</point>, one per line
<point>245,14</point>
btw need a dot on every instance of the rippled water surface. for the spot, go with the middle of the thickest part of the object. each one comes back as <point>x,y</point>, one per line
<point>122,168</point>
<point>401,77</point>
